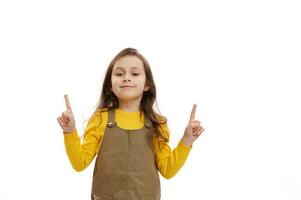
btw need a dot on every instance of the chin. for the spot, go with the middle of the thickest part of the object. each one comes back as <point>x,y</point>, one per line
<point>128,98</point>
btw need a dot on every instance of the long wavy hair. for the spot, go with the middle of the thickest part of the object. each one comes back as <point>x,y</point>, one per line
<point>108,100</point>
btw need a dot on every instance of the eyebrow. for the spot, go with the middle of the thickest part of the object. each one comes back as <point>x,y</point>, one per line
<point>123,68</point>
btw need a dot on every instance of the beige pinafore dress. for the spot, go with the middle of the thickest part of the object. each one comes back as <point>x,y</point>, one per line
<point>125,167</point>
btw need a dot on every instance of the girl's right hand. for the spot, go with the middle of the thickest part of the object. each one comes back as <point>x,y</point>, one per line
<point>66,120</point>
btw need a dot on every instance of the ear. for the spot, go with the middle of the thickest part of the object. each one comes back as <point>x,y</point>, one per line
<point>146,88</point>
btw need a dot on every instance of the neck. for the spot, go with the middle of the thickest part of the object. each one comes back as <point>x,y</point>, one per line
<point>130,106</point>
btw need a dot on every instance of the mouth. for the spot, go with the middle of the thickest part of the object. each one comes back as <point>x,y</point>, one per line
<point>127,86</point>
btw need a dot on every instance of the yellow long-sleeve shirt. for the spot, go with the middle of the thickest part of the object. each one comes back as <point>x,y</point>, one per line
<point>82,153</point>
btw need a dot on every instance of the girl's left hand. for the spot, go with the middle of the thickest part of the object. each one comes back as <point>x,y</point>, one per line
<point>193,129</point>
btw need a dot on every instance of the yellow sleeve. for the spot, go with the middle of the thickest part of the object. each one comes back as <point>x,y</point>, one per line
<point>168,161</point>
<point>82,153</point>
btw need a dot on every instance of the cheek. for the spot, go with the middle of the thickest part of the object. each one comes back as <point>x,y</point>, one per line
<point>114,85</point>
<point>142,80</point>
<point>114,81</point>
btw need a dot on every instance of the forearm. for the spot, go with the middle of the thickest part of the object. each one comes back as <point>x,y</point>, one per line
<point>186,141</point>
<point>170,162</point>
<point>80,155</point>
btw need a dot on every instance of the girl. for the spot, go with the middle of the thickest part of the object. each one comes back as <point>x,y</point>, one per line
<point>129,138</point>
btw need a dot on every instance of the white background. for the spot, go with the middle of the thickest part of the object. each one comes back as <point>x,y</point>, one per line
<point>238,60</point>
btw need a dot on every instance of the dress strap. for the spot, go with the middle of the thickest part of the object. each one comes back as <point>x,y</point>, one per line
<point>111,118</point>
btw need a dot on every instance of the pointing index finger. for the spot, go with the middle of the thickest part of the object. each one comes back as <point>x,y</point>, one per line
<point>67,102</point>
<point>192,115</point>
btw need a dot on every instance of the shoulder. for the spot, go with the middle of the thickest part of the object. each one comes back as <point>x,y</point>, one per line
<point>99,116</point>
<point>96,123</point>
<point>100,111</point>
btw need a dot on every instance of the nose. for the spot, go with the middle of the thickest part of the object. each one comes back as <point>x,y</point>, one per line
<point>126,78</point>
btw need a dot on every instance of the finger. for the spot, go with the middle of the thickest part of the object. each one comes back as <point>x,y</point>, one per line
<point>57,119</point>
<point>195,123</point>
<point>200,132</point>
<point>192,115</point>
<point>196,129</point>
<point>66,115</point>
<point>68,106</point>
<point>64,119</point>
<point>62,124</point>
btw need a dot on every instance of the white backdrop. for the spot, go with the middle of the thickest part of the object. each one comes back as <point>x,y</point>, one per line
<point>238,60</point>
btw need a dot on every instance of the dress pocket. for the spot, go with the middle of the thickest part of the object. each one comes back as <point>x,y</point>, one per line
<point>102,196</point>
<point>146,196</point>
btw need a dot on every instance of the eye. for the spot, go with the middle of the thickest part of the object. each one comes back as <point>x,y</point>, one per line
<point>118,74</point>
<point>135,74</point>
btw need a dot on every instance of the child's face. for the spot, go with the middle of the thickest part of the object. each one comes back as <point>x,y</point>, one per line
<point>128,78</point>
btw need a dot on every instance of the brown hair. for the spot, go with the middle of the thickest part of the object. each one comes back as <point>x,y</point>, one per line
<point>109,101</point>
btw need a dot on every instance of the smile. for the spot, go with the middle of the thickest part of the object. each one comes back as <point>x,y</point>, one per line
<point>126,86</point>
